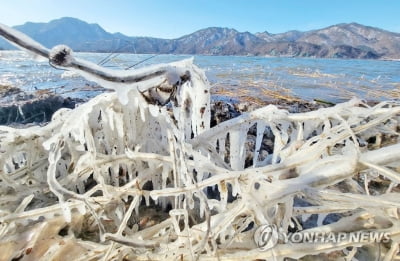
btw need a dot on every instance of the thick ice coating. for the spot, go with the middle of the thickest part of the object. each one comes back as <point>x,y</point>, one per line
<point>125,177</point>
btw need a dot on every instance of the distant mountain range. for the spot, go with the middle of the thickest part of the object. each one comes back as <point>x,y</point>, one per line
<point>338,41</point>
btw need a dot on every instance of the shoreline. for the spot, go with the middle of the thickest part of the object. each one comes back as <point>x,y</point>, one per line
<point>232,55</point>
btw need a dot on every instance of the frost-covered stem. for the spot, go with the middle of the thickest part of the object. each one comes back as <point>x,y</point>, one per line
<point>388,173</point>
<point>392,253</point>
<point>321,209</point>
<point>36,213</point>
<point>354,200</point>
<point>23,41</point>
<point>128,214</point>
<point>132,242</point>
<point>119,238</point>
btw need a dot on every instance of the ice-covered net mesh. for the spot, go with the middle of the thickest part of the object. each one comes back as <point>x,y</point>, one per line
<point>138,174</point>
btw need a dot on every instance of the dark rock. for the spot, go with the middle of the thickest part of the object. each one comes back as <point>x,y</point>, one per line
<point>222,111</point>
<point>6,90</point>
<point>28,108</point>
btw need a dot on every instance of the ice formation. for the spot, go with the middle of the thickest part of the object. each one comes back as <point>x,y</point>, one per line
<point>138,174</point>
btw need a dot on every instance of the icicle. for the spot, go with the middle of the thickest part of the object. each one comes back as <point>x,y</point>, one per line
<point>237,138</point>
<point>221,146</point>
<point>235,188</point>
<point>259,136</point>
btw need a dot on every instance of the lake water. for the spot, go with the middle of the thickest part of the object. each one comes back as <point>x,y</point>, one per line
<point>258,77</point>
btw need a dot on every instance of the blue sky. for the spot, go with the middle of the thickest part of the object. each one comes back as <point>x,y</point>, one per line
<point>175,18</point>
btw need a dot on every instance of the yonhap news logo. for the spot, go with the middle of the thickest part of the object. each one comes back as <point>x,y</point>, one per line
<point>267,236</point>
